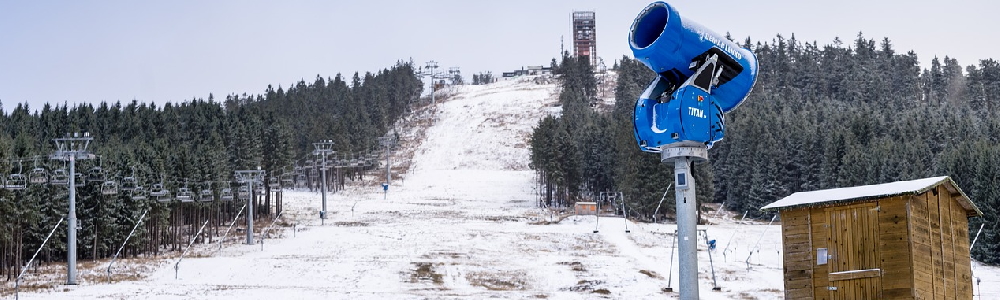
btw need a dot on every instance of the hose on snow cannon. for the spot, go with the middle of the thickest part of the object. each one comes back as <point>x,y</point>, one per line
<point>701,76</point>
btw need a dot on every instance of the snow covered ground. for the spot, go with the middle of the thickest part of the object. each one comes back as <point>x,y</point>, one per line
<point>462,225</point>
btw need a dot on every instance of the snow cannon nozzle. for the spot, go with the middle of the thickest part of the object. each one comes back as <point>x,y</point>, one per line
<point>674,47</point>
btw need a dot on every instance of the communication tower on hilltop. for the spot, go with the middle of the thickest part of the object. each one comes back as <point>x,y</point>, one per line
<point>585,35</point>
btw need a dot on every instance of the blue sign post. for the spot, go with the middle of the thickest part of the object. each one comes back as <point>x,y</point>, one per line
<point>385,189</point>
<point>680,115</point>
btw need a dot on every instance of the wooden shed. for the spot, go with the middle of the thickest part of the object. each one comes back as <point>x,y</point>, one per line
<point>900,240</point>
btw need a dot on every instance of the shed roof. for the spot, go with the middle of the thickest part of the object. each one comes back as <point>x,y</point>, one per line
<point>869,192</point>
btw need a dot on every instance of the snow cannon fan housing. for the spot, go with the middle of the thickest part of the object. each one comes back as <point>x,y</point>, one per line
<point>672,46</point>
<point>701,76</point>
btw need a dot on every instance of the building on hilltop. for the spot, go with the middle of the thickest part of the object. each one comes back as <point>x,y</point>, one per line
<point>899,240</point>
<point>585,35</point>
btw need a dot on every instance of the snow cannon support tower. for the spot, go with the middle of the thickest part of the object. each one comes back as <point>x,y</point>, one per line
<point>702,75</point>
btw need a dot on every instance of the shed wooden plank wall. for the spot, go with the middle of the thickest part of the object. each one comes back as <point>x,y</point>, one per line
<point>894,242</point>
<point>820,224</point>
<point>940,246</point>
<point>797,253</point>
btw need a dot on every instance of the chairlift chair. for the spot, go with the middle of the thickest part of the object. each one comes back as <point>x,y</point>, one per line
<point>286,180</point>
<point>227,194</point>
<point>139,193</point>
<point>274,183</point>
<point>300,180</point>
<point>185,195</point>
<point>17,181</point>
<point>109,187</point>
<point>206,195</point>
<point>244,193</point>
<point>38,175</point>
<point>160,193</point>
<point>59,177</point>
<point>96,175</point>
<point>130,182</point>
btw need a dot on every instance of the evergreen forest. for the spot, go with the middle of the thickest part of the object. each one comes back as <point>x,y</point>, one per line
<point>191,148</point>
<point>820,116</point>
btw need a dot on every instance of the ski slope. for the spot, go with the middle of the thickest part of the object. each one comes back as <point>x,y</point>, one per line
<point>462,224</point>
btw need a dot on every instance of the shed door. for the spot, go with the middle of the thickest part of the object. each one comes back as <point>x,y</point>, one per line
<point>854,255</point>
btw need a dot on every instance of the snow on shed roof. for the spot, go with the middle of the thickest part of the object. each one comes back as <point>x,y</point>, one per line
<point>867,192</point>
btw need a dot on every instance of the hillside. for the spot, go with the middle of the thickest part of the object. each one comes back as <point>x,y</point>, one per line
<point>462,223</point>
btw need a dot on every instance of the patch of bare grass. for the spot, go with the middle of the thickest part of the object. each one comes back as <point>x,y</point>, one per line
<point>498,280</point>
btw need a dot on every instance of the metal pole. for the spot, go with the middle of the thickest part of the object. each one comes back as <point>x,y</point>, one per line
<point>71,239</point>
<point>387,155</point>
<point>670,276</point>
<point>657,211</point>
<point>977,236</point>
<point>322,214</point>
<point>724,258</point>
<point>177,265</point>
<point>687,229</point>
<point>17,281</point>
<point>226,234</point>
<point>759,239</point>
<point>250,213</point>
<point>113,258</point>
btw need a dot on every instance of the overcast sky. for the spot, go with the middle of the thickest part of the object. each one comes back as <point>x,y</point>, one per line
<point>172,51</point>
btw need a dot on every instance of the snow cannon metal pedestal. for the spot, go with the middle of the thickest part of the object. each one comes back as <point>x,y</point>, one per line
<point>702,75</point>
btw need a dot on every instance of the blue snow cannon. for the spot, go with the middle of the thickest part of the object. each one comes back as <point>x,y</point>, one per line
<point>702,75</point>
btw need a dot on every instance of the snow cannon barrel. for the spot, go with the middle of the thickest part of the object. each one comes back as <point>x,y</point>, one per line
<point>673,47</point>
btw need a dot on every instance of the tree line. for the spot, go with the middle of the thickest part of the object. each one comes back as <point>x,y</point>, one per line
<point>195,144</point>
<point>836,115</point>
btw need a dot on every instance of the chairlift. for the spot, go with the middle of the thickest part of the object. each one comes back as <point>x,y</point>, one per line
<point>109,187</point>
<point>227,194</point>
<point>159,192</point>
<point>244,193</point>
<point>301,180</point>
<point>96,175</point>
<point>17,181</point>
<point>38,175</point>
<point>59,177</point>
<point>274,183</point>
<point>185,195</point>
<point>130,182</point>
<point>286,180</point>
<point>138,193</point>
<point>206,194</point>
